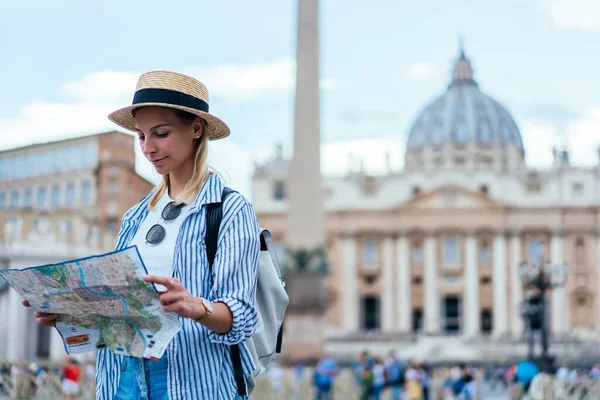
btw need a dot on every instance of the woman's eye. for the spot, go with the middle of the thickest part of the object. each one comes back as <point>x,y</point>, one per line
<point>140,138</point>
<point>162,134</point>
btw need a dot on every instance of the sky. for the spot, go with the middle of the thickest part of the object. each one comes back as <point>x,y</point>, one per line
<point>67,64</point>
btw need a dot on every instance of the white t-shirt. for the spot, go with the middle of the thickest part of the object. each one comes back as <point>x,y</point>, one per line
<point>158,258</point>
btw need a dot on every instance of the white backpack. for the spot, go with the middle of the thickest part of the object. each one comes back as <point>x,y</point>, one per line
<point>271,300</point>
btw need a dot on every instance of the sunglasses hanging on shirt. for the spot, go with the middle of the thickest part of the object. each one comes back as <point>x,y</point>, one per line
<point>156,234</point>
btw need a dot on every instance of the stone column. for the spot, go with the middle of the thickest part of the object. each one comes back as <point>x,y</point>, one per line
<point>559,313</point>
<point>471,279</point>
<point>404,298</point>
<point>387,298</point>
<point>18,334</point>
<point>499,285</point>
<point>350,297</point>
<point>4,327</point>
<point>598,281</point>
<point>432,296</point>
<point>516,286</point>
<point>306,226</point>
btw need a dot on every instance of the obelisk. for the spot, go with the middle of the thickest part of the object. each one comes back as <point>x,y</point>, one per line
<point>305,229</point>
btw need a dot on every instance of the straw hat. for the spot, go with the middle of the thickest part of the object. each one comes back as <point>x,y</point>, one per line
<point>172,90</point>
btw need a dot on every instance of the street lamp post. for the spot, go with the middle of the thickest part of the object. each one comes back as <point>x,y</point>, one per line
<point>539,279</point>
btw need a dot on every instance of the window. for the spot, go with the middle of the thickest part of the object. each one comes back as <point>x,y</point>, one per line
<point>370,313</point>
<point>111,226</point>
<point>484,253</point>
<point>86,195</point>
<point>577,188</point>
<point>279,190</point>
<point>15,198</point>
<point>417,320</point>
<point>65,227</point>
<point>536,250</point>
<point>486,321</point>
<point>534,187</point>
<point>451,312</point>
<point>416,190</point>
<point>580,251</point>
<point>370,252</point>
<point>56,195</point>
<point>417,254</point>
<point>27,198</point>
<point>30,164</point>
<point>20,167</point>
<point>459,160</point>
<point>41,197</point>
<point>450,250</point>
<point>485,280</point>
<point>70,193</point>
<point>3,169</point>
<point>483,189</point>
<point>2,201</point>
<point>417,280</point>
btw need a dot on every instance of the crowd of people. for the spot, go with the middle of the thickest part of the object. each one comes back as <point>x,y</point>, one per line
<point>374,375</point>
<point>29,380</point>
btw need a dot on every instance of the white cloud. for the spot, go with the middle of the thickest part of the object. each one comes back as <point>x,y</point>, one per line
<point>421,71</point>
<point>582,138</point>
<point>574,14</point>
<point>102,86</point>
<point>241,82</point>
<point>86,102</point>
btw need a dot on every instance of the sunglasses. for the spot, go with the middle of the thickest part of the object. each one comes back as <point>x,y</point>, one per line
<point>156,234</point>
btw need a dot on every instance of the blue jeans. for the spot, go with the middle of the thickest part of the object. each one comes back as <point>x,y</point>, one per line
<point>145,380</point>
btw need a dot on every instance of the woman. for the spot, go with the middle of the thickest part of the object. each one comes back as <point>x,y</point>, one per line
<point>216,306</point>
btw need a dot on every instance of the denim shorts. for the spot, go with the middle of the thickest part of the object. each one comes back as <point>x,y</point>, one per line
<point>143,379</point>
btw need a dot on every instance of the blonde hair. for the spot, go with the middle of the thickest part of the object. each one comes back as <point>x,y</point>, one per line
<point>199,175</point>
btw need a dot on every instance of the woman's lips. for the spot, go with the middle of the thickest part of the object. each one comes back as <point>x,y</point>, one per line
<point>158,161</point>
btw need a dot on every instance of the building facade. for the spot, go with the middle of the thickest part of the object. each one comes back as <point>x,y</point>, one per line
<point>59,201</point>
<point>435,248</point>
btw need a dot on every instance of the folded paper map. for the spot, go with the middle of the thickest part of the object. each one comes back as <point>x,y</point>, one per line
<point>102,302</point>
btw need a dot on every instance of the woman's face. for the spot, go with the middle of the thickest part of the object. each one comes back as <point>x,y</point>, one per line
<point>166,140</point>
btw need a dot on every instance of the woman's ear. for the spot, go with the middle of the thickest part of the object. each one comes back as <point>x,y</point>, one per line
<point>198,128</point>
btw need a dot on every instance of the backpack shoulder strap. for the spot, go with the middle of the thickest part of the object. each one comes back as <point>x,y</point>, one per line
<point>214,215</point>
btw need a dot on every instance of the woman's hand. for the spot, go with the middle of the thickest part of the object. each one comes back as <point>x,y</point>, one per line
<point>177,299</point>
<point>42,318</point>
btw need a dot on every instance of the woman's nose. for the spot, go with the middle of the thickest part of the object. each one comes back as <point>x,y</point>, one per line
<point>148,146</point>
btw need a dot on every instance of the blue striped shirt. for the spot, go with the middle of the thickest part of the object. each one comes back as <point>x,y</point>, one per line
<point>200,364</point>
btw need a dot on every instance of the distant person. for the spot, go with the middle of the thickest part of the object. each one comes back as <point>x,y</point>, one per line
<point>215,304</point>
<point>324,377</point>
<point>414,387</point>
<point>394,372</point>
<point>367,378</point>
<point>378,378</point>
<point>525,371</point>
<point>71,379</point>
<point>425,380</point>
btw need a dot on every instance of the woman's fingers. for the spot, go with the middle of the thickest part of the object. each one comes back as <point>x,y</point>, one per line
<point>45,318</point>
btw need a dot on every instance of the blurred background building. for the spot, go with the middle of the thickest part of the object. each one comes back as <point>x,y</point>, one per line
<point>59,201</point>
<point>434,249</point>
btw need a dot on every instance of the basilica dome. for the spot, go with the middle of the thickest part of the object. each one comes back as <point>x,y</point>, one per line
<point>465,122</point>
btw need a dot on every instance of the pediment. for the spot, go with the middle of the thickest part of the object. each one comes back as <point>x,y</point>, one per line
<point>450,196</point>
